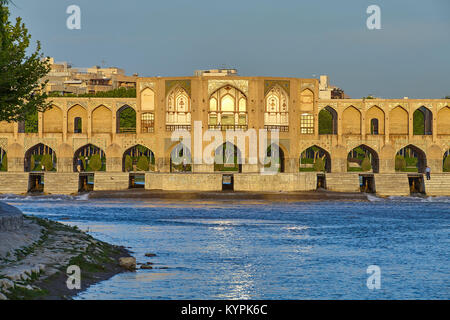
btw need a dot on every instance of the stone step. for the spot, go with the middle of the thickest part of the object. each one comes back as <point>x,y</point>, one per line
<point>438,185</point>
<point>342,182</point>
<point>109,181</point>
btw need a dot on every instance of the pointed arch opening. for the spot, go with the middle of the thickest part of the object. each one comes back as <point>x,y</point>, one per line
<point>40,158</point>
<point>443,121</point>
<point>126,120</point>
<point>101,120</point>
<point>351,121</point>
<point>423,121</point>
<point>315,159</point>
<point>138,158</point>
<point>52,120</point>
<point>375,121</point>
<point>328,121</point>
<point>89,158</point>
<point>227,109</point>
<point>228,158</point>
<point>363,159</point>
<point>180,158</point>
<point>410,159</point>
<point>275,159</point>
<point>398,121</point>
<point>178,110</point>
<point>276,115</point>
<point>77,119</point>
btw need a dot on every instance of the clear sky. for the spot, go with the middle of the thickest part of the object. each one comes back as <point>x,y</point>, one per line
<point>409,56</point>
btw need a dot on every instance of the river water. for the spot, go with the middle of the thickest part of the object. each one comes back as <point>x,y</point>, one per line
<point>265,250</point>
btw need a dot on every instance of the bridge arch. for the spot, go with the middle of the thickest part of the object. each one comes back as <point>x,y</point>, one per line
<point>180,158</point>
<point>315,158</point>
<point>446,161</point>
<point>275,159</point>
<point>92,158</point>
<point>422,121</point>
<point>40,158</point>
<point>410,159</point>
<point>228,157</point>
<point>363,158</point>
<point>138,158</point>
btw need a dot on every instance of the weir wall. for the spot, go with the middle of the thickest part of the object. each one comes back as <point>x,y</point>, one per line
<point>390,184</point>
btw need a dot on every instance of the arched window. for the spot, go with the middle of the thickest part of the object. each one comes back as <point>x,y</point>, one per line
<point>77,125</point>
<point>228,109</point>
<point>276,115</point>
<point>374,126</point>
<point>126,120</point>
<point>422,121</point>
<point>327,121</point>
<point>178,111</point>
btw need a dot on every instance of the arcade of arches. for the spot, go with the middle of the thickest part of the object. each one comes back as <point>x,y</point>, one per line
<point>135,134</point>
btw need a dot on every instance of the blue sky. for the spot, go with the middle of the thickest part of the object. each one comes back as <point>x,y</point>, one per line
<point>409,56</point>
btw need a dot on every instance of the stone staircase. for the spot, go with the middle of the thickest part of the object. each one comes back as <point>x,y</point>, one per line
<point>342,182</point>
<point>392,184</point>
<point>438,185</point>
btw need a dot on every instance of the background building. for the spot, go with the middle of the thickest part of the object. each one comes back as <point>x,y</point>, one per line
<point>65,79</point>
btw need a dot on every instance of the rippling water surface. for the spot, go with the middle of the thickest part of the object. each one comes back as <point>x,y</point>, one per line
<point>265,250</point>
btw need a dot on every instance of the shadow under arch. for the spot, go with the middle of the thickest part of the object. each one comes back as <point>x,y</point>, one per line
<point>227,157</point>
<point>410,159</point>
<point>446,161</point>
<point>423,121</point>
<point>40,158</point>
<point>138,158</point>
<point>84,156</point>
<point>328,121</point>
<point>275,159</point>
<point>180,158</point>
<point>356,159</point>
<point>308,160</point>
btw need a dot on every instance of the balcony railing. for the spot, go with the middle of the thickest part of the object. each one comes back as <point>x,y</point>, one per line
<point>126,130</point>
<point>224,127</point>
<point>275,127</point>
<point>171,127</point>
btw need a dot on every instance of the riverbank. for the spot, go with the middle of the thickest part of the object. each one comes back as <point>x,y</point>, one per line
<point>35,257</point>
<point>318,195</point>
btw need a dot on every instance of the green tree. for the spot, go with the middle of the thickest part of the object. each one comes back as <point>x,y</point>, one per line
<point>319,164</point>
<point>142,163</point>
<point>366,165</point>
<point>325,122</point>
<point>95,162</point>
<point>47,162</point>
<point>21,92</point>
<point>418,123</point>
<point>400,163</point>
<point>447,164</point>
<point>128,163</point>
